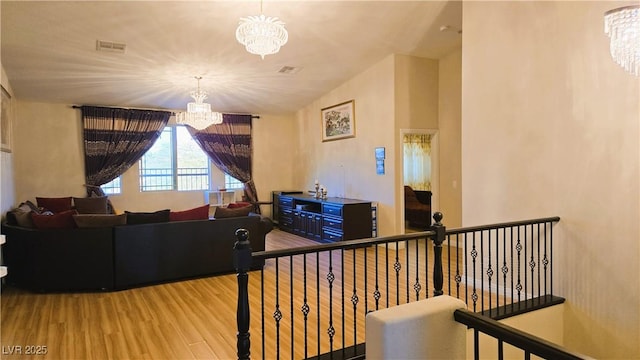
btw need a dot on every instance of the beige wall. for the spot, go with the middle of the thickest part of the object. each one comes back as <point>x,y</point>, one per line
<point>49,161</point>
<point>416,110</point>
<point>48,151</point>
<point>347,167</point>
<point>398,92</point>
<point>550,126</point>
<point>450,170</point>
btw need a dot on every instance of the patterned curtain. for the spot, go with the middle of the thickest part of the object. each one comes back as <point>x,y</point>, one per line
<point>417,161</point>
<point>228,145</point>
<point>115,138</point>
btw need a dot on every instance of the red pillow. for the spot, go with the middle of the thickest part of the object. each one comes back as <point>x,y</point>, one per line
<point>55,205</point>
<point>61,220</point>
<point>238,204</point>
<point>198,213</point>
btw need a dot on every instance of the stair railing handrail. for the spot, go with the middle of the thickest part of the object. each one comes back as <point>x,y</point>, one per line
<point>469,229</point>
<point>530,344</point>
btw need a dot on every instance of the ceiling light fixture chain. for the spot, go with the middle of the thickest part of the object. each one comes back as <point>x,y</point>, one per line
<point>261,35</point>
<point>622,25</point>
<point>198,114</point>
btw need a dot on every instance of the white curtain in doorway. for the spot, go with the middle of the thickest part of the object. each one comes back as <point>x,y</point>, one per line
<point>417,161</point>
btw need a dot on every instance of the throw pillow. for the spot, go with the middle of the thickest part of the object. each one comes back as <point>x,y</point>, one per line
<point>197,213</point>
<point>99,220</point>
<point>135,218</point>
<point>23,218</point>
<point>237,212</point>
<point>61,220</point>
<point>55,205</point>
<point>91,205</point>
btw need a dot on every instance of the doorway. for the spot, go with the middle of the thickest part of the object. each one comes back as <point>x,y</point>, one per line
<point>419,167</point>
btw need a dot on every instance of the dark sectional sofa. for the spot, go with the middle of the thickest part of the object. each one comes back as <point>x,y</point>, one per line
<point>121,257</point>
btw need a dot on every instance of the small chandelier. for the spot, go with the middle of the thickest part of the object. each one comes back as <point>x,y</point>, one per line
<point>199,114</point>
<point>623,27</point>
<point>261,35</point>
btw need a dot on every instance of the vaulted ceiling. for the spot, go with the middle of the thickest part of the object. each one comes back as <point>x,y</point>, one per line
<point>48,49</point>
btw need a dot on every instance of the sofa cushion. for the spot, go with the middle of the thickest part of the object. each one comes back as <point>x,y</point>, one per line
<point>61,220</point>
<point>197,213</point>
<point>91,205</point>
<point>135,218</point>
<point>55,205</point>
<point>230,212</point>
<point>99,220</point>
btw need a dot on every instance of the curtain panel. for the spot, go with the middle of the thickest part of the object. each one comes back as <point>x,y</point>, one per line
<point>417,161</point>
<point>115,138</point>
<point>229,147</point>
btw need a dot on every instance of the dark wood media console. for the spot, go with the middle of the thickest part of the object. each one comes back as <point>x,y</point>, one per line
<point>329,220</point>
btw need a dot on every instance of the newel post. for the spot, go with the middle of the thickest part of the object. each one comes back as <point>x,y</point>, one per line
<point>438,239</point>
<point>242,264</point>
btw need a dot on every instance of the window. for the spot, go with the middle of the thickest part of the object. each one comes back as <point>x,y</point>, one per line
<point>174,162</point>
<point>112,187</point>
<point>232,183</point>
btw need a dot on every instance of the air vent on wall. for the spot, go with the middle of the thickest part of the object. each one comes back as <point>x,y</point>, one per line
<point>290,70</point>
<point>102,45</point>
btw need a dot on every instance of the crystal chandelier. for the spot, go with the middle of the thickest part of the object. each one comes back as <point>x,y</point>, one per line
<point>623,27</point>
<point>261,35</point>
<point>199,114</point>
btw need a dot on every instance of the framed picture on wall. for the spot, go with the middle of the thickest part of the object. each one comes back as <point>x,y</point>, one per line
<point>5,121</point>
<point>338,121</point>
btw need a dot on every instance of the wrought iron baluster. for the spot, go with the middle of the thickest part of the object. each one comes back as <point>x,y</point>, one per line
<point>277,314</point>
<point>354,301</point>
<point>262,312</point>
<point>532,263</point>
<point>538,258</point>
<point>426,266</point>
<point>505,269</point>
<point>551,258</point>
<point>511,250</point>
<point>545,262</point>
<point>458,276</point>
<point>342,271</point>
<point>481,269</point>
<point>519,250</point>
<point>376,292</point>
<point>305,305</point>
<point>318,334</point>
<point>366,290</point>
<point>406,255</point>
<point>417,286</point>
<point>474,255</point>
<point>386,260</point>
<point>291,297</point>
<point>449,264</point>
<point>331,331</point>
<point>397,267</point>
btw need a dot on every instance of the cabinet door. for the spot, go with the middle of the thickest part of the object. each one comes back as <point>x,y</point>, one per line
<point>299,223</point>
<point>285,213</point>
<point>314,226</point>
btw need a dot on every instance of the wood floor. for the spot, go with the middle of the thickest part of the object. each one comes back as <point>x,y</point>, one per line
<point>196,319</point>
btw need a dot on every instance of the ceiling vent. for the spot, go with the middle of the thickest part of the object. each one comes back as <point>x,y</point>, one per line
<point>289,70</point>
<point>102,45</point>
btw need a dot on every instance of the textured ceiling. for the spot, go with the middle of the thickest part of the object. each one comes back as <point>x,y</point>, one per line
<point>48,49</point>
